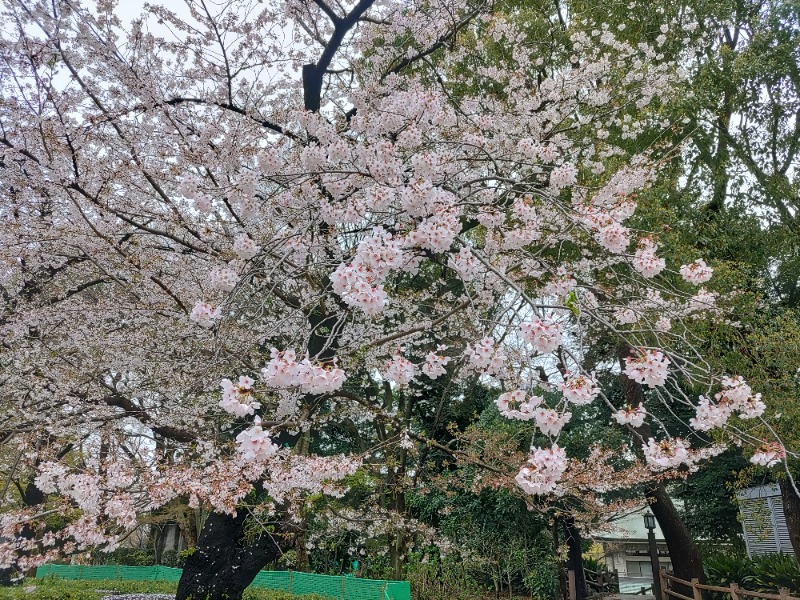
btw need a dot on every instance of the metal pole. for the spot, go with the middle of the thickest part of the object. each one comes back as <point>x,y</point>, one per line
<point>651,539</point>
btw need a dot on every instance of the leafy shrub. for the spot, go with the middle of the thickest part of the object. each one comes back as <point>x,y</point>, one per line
<point>766,573</point>
<point>173,558</point>
<point>542,581</point>
<point>441,578</point>
<point>130,557</point>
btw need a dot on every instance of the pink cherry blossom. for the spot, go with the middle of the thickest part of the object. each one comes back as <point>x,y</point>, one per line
<point>224,278</point>
<point>739,396</point>
<point>633,416</point>
<point>563,176</point>
<point>710,416</point>
<point>667,453</point>
<point>204,314</point>
<point>319,379</point>
<point>484,357</point>
<point>281,370</point>
<point>648,367</point>
<point>663,324</point>
<point>561,284</point>
<point>614,237</point>
<point>254,443</point>
<point>516,405</point>
<point>400,370</point>
<point>768,454</point>
<point>625,316</point>
<point>465,264</point>
<point>645,260</point>
<point>543,334</point>
<point>697,272</point>
<point>550,421</point>
<point>237,399</point>
<point>579,389</point>
<point>543,470</point>
<point>435,364</point>
<point>359,289</point>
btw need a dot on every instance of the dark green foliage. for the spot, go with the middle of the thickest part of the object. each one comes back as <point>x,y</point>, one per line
<point>132,557</point>
<point>173,558</point>
<point>710,510</point>
<point>760,574</point>
<point>497,544</point>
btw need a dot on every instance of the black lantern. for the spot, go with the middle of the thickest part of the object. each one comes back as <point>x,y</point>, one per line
<point>650,523</point>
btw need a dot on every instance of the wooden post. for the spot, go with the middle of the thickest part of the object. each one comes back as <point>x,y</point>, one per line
<point>573,593</point>
<point>735,595</point>
<point>662,577</point>
<point>696,591</point>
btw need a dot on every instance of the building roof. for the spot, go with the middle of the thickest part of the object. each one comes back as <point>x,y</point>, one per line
<point>629,526</point>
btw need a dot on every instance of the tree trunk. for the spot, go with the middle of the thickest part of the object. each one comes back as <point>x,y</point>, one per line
<point>224,563</point>
<point>575,557</point>
<point>683,552</point>
<point>791,510</point>
<point>33,497</point>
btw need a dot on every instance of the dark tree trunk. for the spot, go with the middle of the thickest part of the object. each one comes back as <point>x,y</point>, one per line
<point>159,541</point>
<point>224,563</point>
<point>683,552</point>
<point>791,510</point>
<point>575,557</point>
<point>33,496</point>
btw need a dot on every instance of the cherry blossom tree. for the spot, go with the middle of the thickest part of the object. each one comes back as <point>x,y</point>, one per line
<point>229,225</point>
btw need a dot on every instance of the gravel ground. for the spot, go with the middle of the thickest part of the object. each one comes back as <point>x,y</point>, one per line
<point>139,597</point>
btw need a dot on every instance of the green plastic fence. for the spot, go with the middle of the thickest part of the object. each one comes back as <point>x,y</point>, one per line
<point>340,587</point>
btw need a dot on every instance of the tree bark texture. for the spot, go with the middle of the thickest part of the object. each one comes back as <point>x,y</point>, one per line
<point>224,562</point>
<point>683,552</point>
<point>575,557</point>
<point>791,510</point>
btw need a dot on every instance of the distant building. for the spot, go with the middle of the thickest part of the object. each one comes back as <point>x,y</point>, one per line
<point>626,551</point>
<point>763,521</point>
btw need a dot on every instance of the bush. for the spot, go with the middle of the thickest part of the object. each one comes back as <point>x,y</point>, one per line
<point>441,578</point>
<point>173,558</point>
<point>129,557</point>
<point>766,573</point>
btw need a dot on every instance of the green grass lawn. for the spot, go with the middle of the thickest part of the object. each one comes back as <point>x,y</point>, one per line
<point>51,588</point>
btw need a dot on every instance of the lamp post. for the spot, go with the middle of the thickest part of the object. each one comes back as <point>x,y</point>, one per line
<point>650,524</point>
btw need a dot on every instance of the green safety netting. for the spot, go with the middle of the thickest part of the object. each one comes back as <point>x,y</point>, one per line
<point>342,587</point>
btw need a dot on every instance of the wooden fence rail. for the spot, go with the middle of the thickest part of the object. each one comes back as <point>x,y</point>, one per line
<point>697,588</point>
<point>598,583</point>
